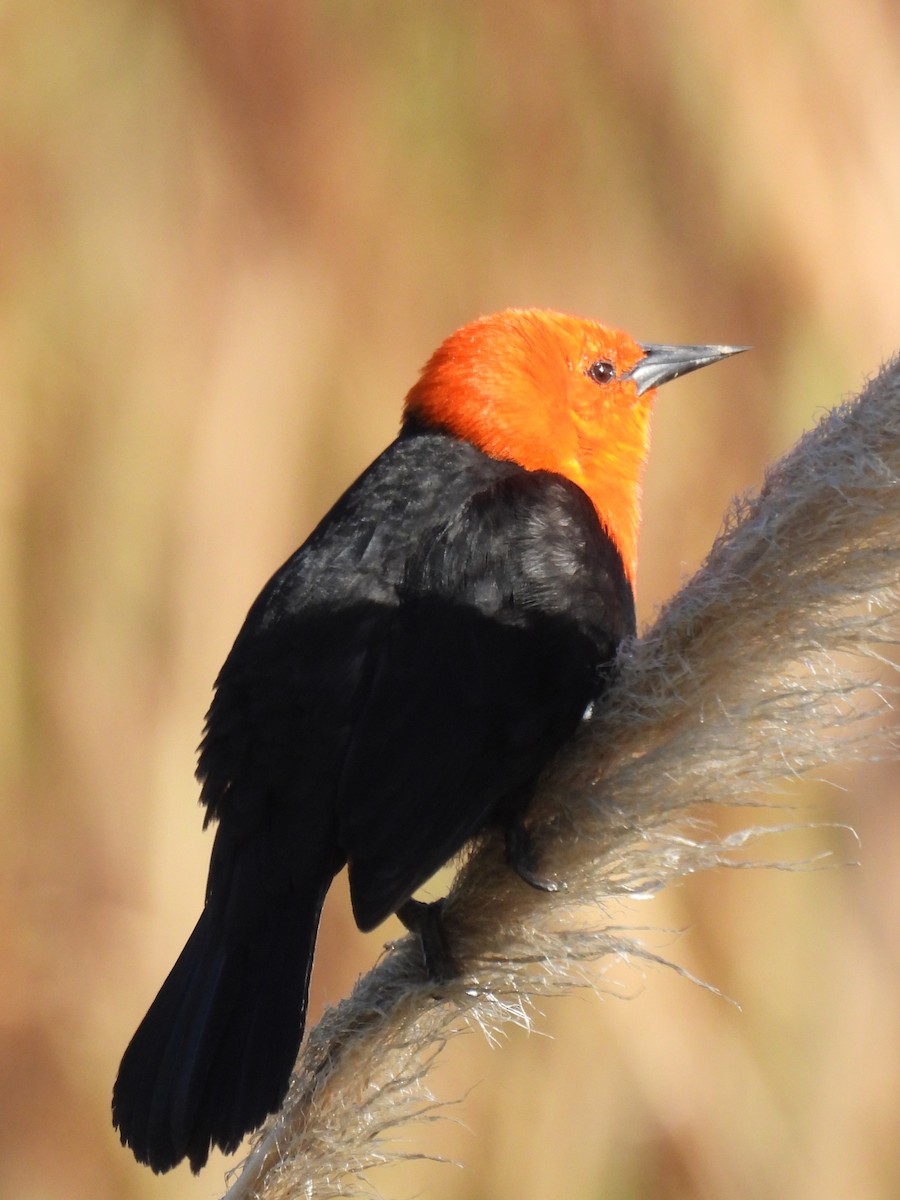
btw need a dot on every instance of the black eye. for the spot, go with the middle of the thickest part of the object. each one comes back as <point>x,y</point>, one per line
<point>601,371</point>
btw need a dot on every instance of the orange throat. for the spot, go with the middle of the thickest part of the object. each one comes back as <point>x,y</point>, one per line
<point>611,474</point>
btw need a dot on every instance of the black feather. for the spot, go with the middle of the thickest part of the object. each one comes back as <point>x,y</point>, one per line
<point>398,684</point>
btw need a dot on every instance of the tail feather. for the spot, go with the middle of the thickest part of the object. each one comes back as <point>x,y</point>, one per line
<point>263,1035</point>
<point>213,1056</point>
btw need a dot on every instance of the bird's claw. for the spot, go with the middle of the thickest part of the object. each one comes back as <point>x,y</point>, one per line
<point>521,857</point>
<point>427,920</point>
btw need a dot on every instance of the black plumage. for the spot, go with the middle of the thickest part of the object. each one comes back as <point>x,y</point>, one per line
<point>397,686</point>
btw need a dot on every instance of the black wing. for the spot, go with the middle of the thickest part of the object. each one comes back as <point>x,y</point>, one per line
<point>406,675</point>
<point>507,616</point>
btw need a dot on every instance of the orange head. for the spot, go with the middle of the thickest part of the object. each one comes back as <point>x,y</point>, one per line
<point>557,393</point>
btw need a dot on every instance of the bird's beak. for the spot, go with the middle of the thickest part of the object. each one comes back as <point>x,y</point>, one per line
<point>662,363</point>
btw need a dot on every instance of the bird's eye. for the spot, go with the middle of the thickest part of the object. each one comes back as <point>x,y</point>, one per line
<point>601,371</point>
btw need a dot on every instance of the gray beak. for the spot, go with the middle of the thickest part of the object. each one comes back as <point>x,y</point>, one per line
<point>663,363</point>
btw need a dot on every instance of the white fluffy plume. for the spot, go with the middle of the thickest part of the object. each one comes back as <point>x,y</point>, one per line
<point>769,662</point>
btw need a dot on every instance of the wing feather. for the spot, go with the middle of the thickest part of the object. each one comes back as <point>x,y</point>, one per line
<point>506,616</point>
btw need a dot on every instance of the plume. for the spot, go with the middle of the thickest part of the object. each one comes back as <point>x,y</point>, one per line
<point>778,657</point>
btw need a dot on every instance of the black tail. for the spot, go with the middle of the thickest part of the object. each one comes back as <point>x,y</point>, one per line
<point>213,1056</point>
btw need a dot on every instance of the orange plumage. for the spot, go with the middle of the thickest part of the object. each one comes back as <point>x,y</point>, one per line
<point>516,386</point>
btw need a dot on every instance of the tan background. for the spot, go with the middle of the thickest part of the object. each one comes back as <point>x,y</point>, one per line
<point>231,233</point>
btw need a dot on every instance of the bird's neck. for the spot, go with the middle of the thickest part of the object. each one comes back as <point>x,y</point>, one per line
<point>616,497</point>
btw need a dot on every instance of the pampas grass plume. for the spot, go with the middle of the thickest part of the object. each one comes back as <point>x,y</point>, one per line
<point>772,660</point>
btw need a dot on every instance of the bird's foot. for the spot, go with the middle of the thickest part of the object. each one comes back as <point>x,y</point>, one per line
<point>521,857</point>
<point>427,920</point>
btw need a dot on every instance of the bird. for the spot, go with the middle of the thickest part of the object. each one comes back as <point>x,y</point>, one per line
<point>396,689</point>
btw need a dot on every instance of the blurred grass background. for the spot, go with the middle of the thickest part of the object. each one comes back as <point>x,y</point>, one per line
<point>230,234</point>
